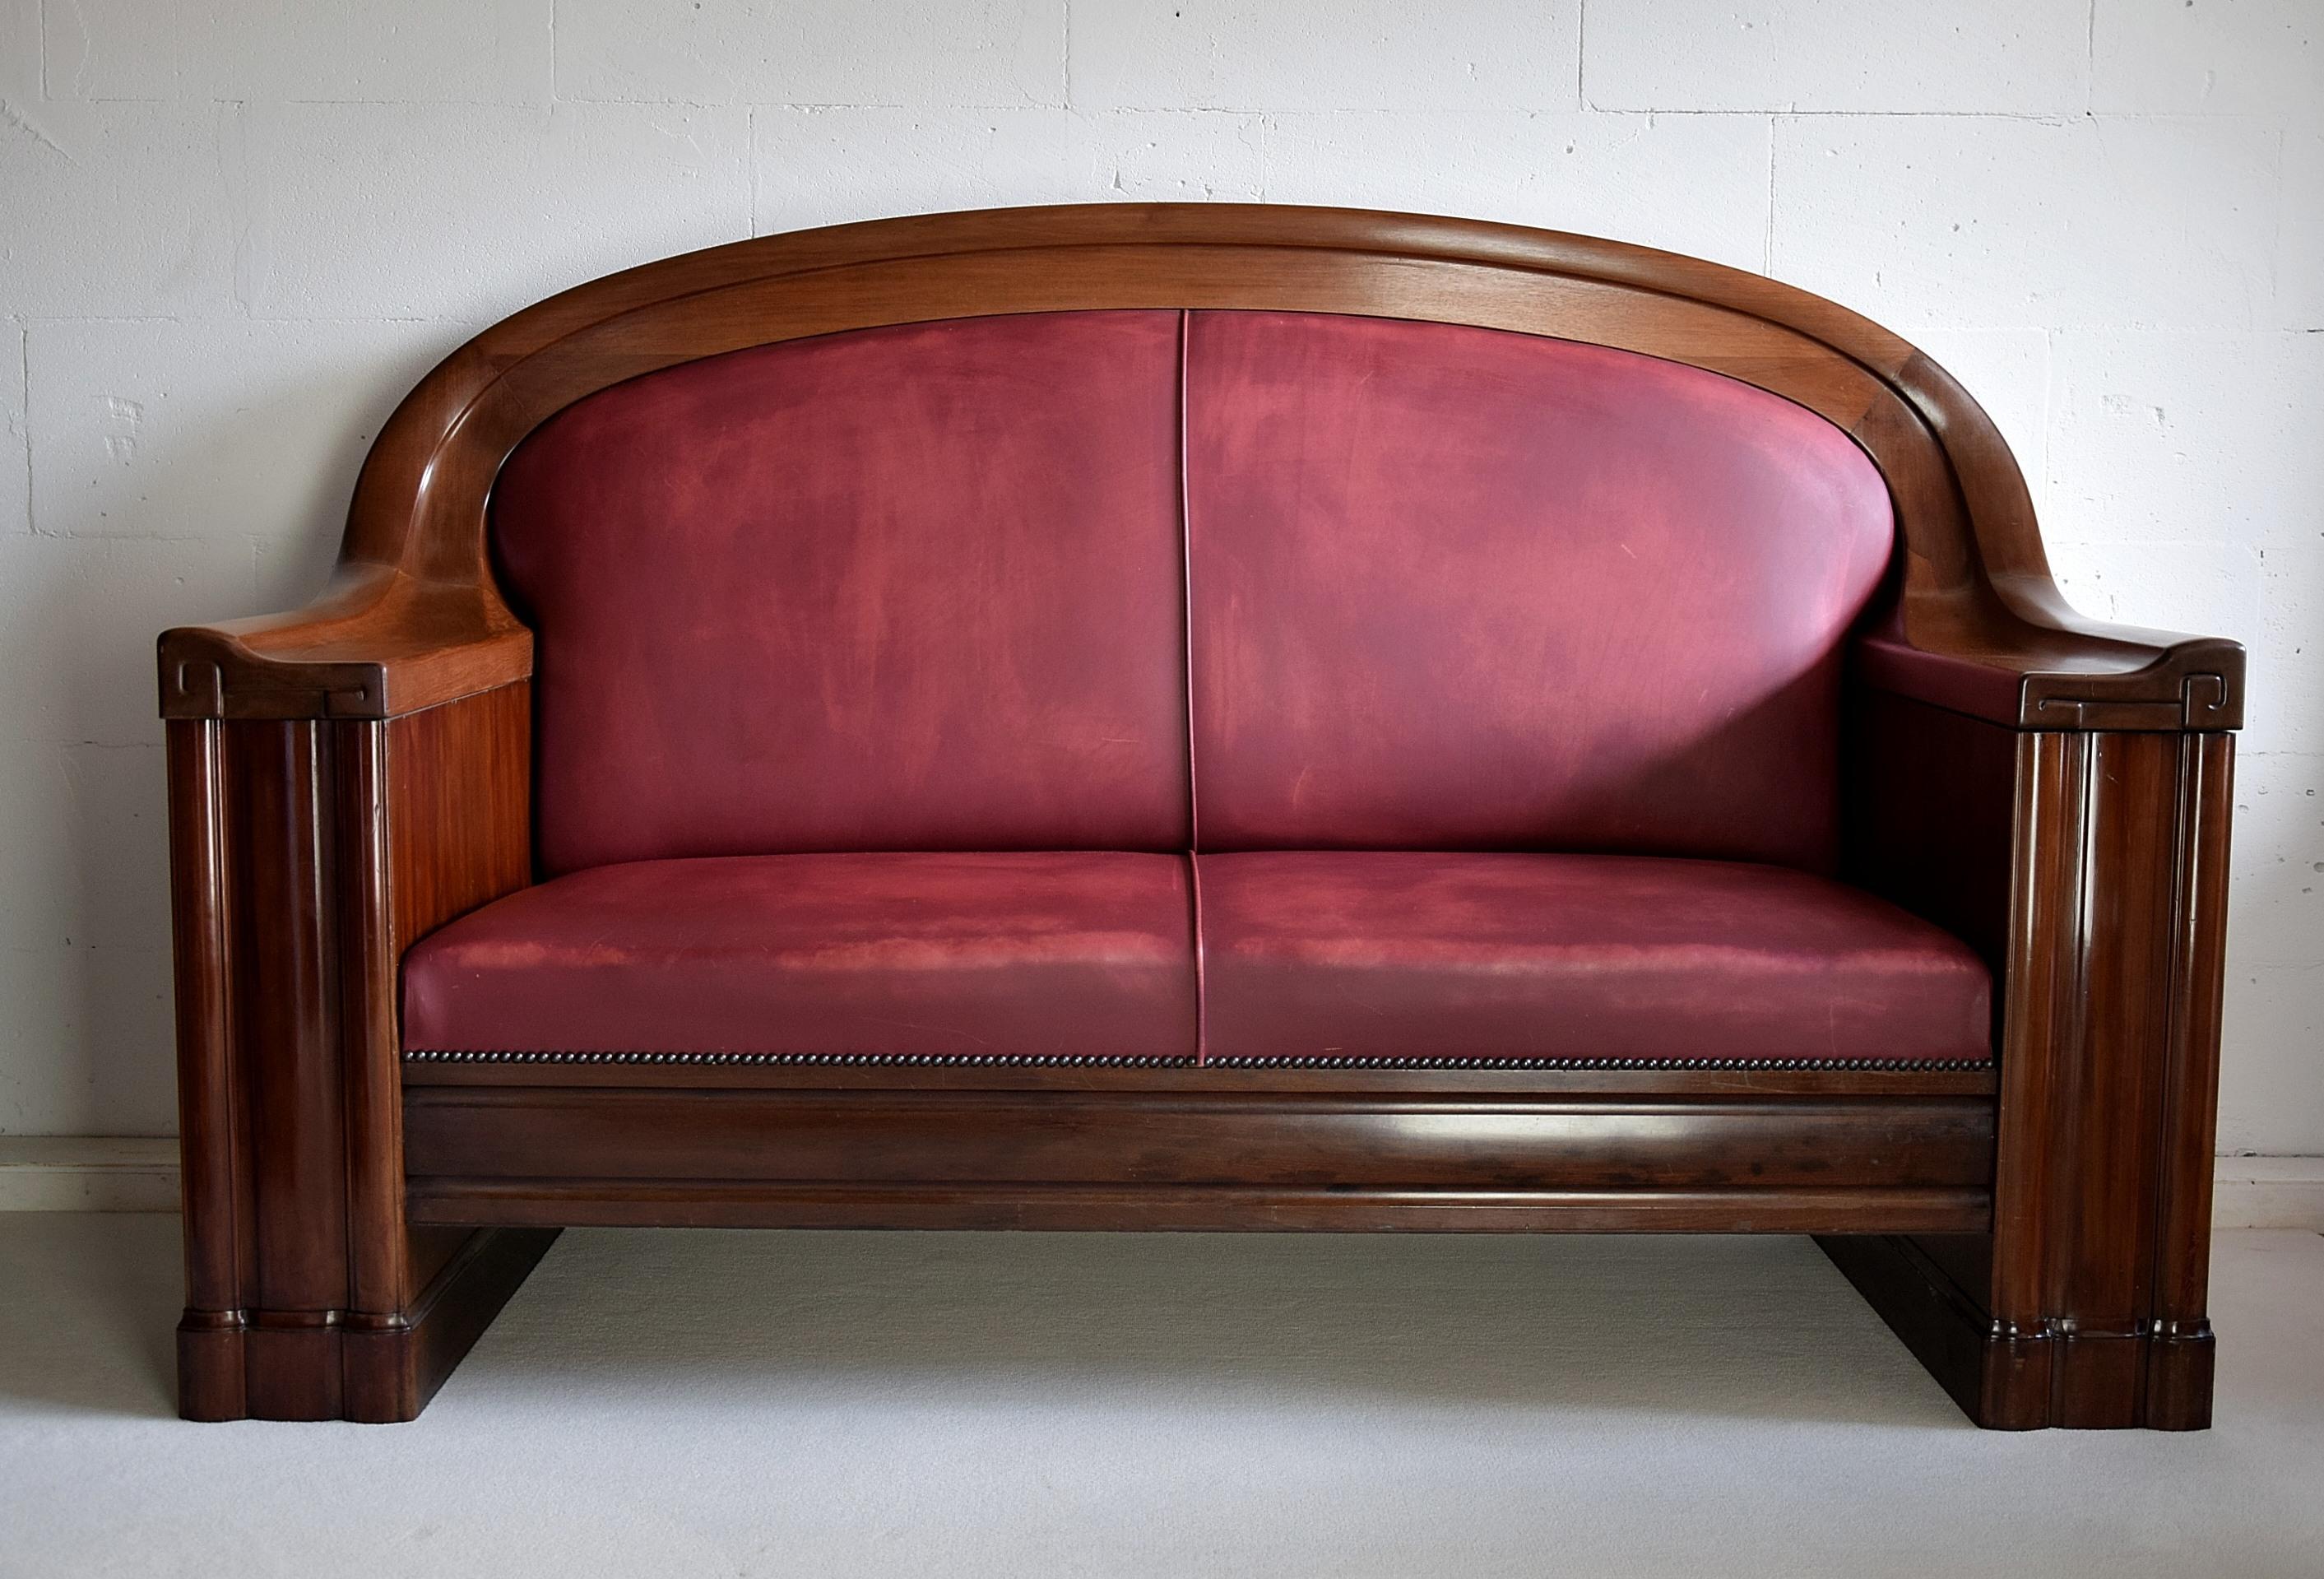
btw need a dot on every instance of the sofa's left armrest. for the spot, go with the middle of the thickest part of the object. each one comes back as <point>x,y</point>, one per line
<point>376,644</point>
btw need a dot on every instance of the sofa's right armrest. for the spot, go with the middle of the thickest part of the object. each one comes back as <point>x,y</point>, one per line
<point>2033,662</point>
<point>377,644</point>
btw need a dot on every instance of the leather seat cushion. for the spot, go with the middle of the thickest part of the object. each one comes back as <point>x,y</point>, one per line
<point>1340,955</point>
<point>893,956</point>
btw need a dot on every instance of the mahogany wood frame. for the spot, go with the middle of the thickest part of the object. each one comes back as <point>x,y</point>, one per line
<point>346,777</point>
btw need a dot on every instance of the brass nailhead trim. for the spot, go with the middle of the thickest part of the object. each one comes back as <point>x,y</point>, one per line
<point>1906,1066</point>
<point>1078,1061</point>
<point>434,1055</point>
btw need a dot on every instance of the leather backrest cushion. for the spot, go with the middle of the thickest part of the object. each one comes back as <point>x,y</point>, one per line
<point>912,588</point>
<point>1458,588</point>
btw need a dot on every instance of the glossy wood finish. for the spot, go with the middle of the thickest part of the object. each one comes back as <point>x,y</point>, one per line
<point>938,1145</point>
<point>347,777</point>
<point>902,1158</point>
<point>307,855</point>
<point>2085,1304</point>
<point>458,802</point>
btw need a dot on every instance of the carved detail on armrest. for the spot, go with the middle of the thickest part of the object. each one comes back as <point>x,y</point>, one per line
<point>2202,703</point>
<point>376,644</point>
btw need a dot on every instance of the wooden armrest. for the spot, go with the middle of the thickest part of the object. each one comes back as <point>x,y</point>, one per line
<point>377,644</point>
<point>2036,664</point>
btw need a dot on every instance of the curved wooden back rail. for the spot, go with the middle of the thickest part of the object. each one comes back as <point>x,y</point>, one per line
<point>413,619</point>
<point>348,777</point>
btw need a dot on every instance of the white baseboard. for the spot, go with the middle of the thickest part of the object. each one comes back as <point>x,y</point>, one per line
<point>2269,1192</point>
<point>79,1173</point>
<point>72,1173</point>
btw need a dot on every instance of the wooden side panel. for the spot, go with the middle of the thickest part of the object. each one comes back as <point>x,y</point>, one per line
<point>458,794</point>
<point>2088,1307</point>
<point>2123,915</point>
<point>1927,815</point>
<point>456,789</point>
<point>1928,823</point>
<point>308,1297</point>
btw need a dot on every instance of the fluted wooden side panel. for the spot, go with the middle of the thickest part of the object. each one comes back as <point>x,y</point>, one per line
<point>2085,1304</point>
<point>308,1295</point>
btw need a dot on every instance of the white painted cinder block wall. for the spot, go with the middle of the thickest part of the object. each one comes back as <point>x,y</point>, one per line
<point>232,233</point>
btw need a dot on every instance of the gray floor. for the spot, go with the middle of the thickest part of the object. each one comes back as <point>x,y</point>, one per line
<point>709,1403</point>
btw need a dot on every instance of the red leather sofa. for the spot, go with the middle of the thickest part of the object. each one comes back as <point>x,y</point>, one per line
<point>1197,717</point>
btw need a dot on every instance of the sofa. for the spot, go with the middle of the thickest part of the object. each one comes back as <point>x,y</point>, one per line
<point>1197,717</point>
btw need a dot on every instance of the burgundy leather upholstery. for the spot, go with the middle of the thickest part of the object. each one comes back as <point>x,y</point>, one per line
<point>908,589</point>
<point>1434,588</point>
<point>1391,955</point>
<point>1456,588</point>
<point>875,955</point>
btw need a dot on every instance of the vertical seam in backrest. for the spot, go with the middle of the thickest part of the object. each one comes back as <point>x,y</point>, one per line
<point>1194,795</point>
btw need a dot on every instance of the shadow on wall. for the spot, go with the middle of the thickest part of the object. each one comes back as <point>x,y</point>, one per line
<point>181,473</point>
<point>675,1322</point>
